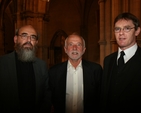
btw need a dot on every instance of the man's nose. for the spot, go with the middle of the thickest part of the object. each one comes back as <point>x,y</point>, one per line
<point>74,46</point>
<point>29,38</point>
<point>121,31</point>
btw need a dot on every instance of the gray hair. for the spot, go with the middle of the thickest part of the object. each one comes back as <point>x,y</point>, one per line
<point>76,35</point>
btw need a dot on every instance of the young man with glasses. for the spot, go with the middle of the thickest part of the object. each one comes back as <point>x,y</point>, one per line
<point>24,77</point>
<point>121,84</point>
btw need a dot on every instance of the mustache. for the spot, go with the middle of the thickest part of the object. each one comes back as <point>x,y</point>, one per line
<point>74,51</point>
<point>27,43</point>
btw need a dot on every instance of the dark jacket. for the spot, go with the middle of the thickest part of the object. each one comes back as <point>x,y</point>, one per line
<point>92,77</point>
<point>9,98</point>
<point>121,89</point>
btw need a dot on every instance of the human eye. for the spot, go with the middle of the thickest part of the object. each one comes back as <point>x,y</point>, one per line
<point>117,29</point>
<point>127,28</point>
<point>79,44</point>
<point>24,35</point>
<point>70,44</point>
<point>33,37</point>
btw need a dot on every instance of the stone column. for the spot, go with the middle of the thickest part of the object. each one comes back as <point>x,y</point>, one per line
<point>108,27</point>
<point>116,9</point>
<point>2,42</point>
<point>102,41</point>
<point>135,9</point>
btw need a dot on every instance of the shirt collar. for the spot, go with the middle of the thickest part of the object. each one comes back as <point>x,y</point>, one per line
<point>70,65</point>
<point>128,52</point>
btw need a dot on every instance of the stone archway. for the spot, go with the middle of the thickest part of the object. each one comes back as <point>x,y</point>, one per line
<point>57,54</point>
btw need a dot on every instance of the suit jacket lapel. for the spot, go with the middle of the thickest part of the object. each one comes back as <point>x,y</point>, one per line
<point>37,78</point>
<point>11,67</point>
<point>88,82</point>
<point>61,84</point>
<point>112,67</point>
<point>86,71</point>
<point>62,79</point>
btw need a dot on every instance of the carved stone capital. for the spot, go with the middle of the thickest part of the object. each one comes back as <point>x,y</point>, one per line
<point>113,41</point>
<point>30,14</point>
<point>102,42</point>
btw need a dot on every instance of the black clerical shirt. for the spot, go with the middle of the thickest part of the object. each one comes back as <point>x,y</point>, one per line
<point>26,85</point>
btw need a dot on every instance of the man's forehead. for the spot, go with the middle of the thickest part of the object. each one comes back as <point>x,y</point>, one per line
<point>124,22</point>
<point>27,29</point>
<point>74,37</point>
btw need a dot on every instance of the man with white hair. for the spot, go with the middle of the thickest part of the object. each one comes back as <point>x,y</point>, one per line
<point>75,83</point>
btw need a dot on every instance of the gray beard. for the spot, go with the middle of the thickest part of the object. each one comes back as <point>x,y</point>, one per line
<point>25,54</point>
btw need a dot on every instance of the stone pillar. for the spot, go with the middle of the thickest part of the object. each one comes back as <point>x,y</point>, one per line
<point>84,34</point>
<point>125,5</point>
<point>116,9</point>
<point>102,41</point>
<point>108,28</point>
<point>135,9</point>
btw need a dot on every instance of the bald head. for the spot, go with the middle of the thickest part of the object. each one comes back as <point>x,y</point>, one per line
<point>27,27</point>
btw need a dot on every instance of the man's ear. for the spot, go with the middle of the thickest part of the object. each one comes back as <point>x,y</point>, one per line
<point>37,42</point>
<point>65,49</point>
<point>84,49</point>
<point>15,38</point>
<point>137,32</point>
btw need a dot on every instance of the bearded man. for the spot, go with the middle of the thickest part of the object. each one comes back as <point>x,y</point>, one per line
<point>23,76</point>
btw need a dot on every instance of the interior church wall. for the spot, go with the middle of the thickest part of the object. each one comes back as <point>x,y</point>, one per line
<point>68,16</point>
<point>93,19</point>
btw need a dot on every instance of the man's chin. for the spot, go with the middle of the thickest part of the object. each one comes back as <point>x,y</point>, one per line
<point>75,58</point>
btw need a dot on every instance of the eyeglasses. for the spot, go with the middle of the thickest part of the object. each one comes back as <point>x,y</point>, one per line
<point>125,29</point>
<point>25,37</point>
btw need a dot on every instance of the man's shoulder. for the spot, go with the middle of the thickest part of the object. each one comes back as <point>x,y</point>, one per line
<point>39,61</point>
<point>5,56</point>
<point>84,61</point>
<point>90,63</point>
<point>59,65</point>
<point>139,49</point>
<point>111,55</point>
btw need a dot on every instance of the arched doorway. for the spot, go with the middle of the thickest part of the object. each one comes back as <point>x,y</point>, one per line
<point>57,54</point>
